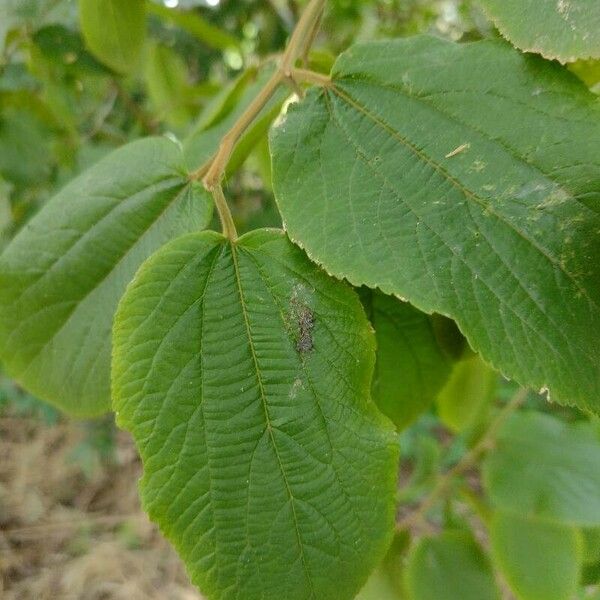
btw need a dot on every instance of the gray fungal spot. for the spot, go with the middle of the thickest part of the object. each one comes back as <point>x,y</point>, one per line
<point>303,320</point>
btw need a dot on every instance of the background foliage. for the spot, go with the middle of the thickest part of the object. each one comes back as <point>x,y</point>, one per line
<point>498,493</point>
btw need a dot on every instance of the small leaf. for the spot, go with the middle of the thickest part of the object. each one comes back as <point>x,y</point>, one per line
<point>464,401</point>
<point>562,29</point>
<point>464,178</point>
<point>386,582</point>
<point>540,560</point>
<point>63,275</point>
<point>589,72</point>
<point>542,467</point>
<point>193,23</point>
<point>591,545</point>
<point>591,556</point>
<point>243,373</point>
<point>450,566</point>
<point>412,366</point>
<point>25,149</point>
<point>114,31</point>
<point>165,74</point>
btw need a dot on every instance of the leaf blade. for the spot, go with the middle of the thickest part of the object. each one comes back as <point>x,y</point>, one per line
<point>63,274</point>
<point>248,397</point>
<point>541,560</point>
<point>452,566</point>
<point>547,469</point>
<point>489,221</point>
<point>566,30</point>
<point>114,31</point>
<point>412,365</point>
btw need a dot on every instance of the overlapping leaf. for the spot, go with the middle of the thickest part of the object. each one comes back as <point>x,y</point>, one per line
<point>466,179</point>
<point>63,275</point>
<point>562,29</point>
<point>243,372</point>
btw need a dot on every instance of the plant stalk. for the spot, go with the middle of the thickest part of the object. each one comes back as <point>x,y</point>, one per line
<point>211,173</point>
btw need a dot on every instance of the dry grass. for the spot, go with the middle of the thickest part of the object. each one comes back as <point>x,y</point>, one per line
<point>73,529</point>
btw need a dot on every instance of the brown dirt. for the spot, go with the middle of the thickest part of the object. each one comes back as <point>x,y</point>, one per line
<point>72,529</point>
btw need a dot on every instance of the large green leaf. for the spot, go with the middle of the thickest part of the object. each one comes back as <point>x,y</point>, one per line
<point>543,467</point>
<point>412,360</point>
<point>562,29</point>
<point>63,275</point>
<point>540,560</point>
<point>243,373</point>
<point>114,31</point>
<point>466,179</point>
<point>450,566</point>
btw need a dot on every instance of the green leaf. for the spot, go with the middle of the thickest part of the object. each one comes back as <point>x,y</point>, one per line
<point>562,29</point>
<point>546,468</point>
<point>386,582</point>
<point>589,72</point>
<point>167,83</point>
<point>63,275</point>
<point>65,48</point>
<point>464,401</point>
<point>114,31</point>
<point>412,364</point>
<point>450,566</point>
<point>591,556</point>
<point>25,155</point>
<point>591,545</point>
<point>243,373</point>
<point>540,560</point>
<point>193,23</point>
<point>464,178</point>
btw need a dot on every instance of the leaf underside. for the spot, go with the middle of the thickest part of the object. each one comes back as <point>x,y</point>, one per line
<point>567,30</point>
<point>63,275</point>
<point>243,373</point>
<point>464,178</point>
<point>412,363</point>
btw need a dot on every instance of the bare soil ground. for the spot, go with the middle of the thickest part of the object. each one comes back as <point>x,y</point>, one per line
<point>71,527</point>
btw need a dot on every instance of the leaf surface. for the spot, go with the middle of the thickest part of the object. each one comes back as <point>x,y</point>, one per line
<point>63,275</point>
<point>412,363</point>
<point>464,178</point>
<point>542,467</point>
<point>386,582</point>
<point>114,31</point>
<point>243,373</point>
<point>540,560</point>
<point>562,29</point>
<point>464,401</point>
<point>450,566</point>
